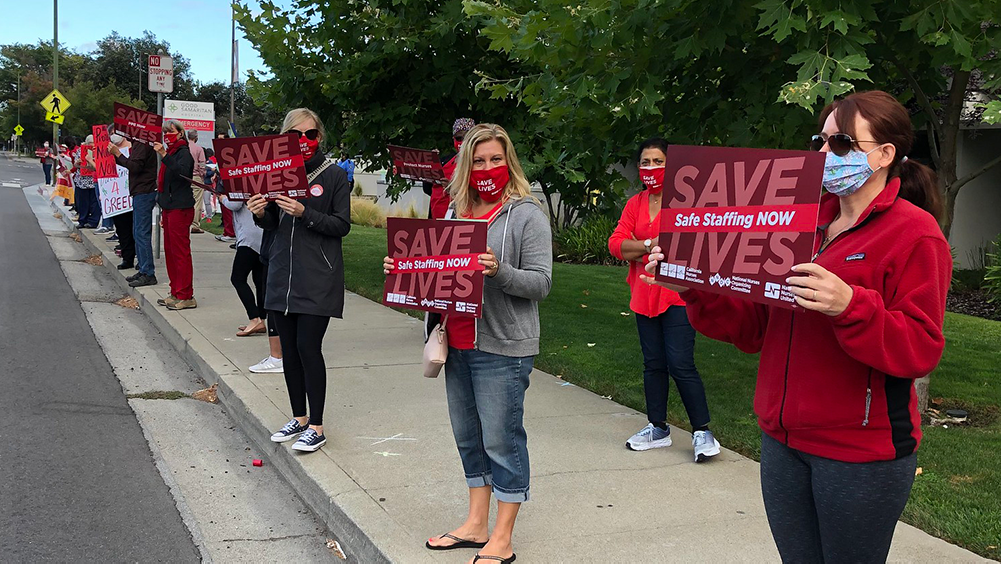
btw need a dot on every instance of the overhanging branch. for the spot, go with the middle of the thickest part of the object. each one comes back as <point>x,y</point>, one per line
<point>918,91</point>
<point>962,181</point>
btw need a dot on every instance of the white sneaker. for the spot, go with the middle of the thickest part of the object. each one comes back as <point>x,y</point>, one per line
<point>102,230</point>
<point>649,437</point>
<point>269,365</point>
<point>705,444</point>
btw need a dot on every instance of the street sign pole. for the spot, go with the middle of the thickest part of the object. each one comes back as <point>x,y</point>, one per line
<point>156,219</point>
<point>55,68</point>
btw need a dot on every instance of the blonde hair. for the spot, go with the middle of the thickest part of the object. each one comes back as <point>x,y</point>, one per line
<point>299,115</point>
<point>459,189</point>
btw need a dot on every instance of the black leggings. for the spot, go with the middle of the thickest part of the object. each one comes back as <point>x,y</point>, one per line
<point>305,371</point>
<point>823,510</point>
<point>248,262</point>
<point>123,228</point>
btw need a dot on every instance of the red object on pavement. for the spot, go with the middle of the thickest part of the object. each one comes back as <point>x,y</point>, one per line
<point>258,462</point>
<point>227,223</point>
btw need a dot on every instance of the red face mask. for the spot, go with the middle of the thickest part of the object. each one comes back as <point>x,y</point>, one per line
<point>171,138</point>
<point>458,144</point>
<point>308,147</point>
<point>653,178</point>
<point>490,183</point>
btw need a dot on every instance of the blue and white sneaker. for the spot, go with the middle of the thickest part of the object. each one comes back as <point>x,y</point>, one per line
<point>705,444</point>
<point>649,437</point>
<point>291,430</point>
<point>309,441</point>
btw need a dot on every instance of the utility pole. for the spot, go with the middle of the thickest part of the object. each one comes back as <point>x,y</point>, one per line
<point>55,68</point>
<point>17,137</point>
<point>233,71</point>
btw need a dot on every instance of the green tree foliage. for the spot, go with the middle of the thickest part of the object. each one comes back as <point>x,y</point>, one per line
<point>122,61</point>
<point>253,117</point>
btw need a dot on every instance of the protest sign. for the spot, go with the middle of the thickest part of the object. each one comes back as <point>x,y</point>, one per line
<point>436,265</point>
<point>138,125</point>
<point>734,221</point>
<point>104,163</point>
<point>41,153</point>
<point>114,191</point>
<point>271,165</point>
<point>417,164</point>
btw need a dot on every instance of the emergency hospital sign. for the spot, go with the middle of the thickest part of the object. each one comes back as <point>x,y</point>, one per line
<point>161,74</point>
<point>199,116</point>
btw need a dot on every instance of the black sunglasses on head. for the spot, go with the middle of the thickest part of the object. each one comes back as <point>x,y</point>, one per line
<point>840,143</point>
<point>312,134</point>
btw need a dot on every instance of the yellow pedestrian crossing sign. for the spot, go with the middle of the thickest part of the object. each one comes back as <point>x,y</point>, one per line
<point>55,103</point>
<point>55,118</point>
<point>18,130</point>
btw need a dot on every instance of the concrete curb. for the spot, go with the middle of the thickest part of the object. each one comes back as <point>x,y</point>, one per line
<point>356,542</point>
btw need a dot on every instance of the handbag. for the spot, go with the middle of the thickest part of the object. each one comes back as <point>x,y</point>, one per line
<point>435,350</point>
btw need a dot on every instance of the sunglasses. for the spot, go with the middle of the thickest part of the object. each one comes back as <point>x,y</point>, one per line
<point>312,134</point>
<point>459,138</point>
<point>840,143</point>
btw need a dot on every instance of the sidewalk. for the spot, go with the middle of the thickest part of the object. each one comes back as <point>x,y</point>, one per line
<point>389,476</point>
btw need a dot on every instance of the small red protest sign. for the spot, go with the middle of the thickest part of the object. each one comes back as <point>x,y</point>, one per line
<point>138,125</point>
<point>436,265</point>
<point>271,165</point>
<point>417,164</point>
<point>734,221</point>
<point>104,163</point>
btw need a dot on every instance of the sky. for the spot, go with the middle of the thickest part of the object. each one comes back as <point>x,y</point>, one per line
<point>198,29</point>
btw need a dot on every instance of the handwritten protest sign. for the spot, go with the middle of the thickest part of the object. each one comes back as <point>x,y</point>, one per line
<point>436,265</point>
<point>417,164</point>
<point>104,163</point>
<point>734,221</point>
<point>114,191</point>
<point>138,125</point>
<point>271,165</point>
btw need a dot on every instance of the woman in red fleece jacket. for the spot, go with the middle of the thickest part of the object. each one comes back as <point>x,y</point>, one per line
<point>835,392</point>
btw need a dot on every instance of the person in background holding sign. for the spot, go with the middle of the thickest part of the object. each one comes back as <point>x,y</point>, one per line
<point>198,154</point>
<point>47,159</point>
<point>178,205</point>
<point>666,337</point>
<point>438,194</point>
<point>124,222</point>
<point>141,164</point>
<point>835,393</point>
<point>87,202</point>
<point>305,285</point>
<point>490,359</point>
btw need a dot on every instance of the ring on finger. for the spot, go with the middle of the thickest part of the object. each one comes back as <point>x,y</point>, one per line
<point>814,295</point>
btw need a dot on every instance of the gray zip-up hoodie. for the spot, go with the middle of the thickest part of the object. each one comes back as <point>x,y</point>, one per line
<point>522,240</point>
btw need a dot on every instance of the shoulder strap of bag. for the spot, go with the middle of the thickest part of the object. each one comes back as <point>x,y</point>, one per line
<point>312,176</point>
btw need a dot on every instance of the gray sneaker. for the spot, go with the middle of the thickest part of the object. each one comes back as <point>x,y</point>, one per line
<point>705,444</point>
<point>649,437</point>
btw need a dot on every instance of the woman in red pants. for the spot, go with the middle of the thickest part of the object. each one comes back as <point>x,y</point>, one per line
<point>178,204</point>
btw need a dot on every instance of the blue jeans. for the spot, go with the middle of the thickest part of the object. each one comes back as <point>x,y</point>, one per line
<point>486,403</point>
<point>89,207</point>
<point>668,343</point>
<point>142,231</point>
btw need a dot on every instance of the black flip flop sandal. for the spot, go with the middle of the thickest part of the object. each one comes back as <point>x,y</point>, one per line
<point>459,543</point>
<point>478,557</point>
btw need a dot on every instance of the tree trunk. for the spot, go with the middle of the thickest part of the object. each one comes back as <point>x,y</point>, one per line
<point>949,146</point>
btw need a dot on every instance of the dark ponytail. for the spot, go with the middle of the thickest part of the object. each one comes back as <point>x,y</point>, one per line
<point>889,122</point>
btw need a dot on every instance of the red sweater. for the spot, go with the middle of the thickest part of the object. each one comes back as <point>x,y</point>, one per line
<point>842,387</point>
<point>635,224</point>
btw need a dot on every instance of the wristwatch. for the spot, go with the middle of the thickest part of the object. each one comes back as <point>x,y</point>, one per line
<point>646,244</point>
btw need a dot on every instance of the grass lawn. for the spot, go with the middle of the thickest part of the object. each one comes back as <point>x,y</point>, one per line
<point>957,495</point>
<point>214,225</point>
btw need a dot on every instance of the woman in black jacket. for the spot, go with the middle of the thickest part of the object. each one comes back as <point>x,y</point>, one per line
<point>178,205</point>
<point>305,285</point>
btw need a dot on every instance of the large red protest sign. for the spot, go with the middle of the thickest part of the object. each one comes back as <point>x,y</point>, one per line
<point>436,265</point>
<point>735,221</point>
<point>138,125</point>
<point>104,163</point>
<point>417,164</point>
<point>271,165</point>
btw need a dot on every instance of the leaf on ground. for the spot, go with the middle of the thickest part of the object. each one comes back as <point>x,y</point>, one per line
<point>207,395</point>
<point>591,344</point>
<point>918,471</point>
<point>127,302</point>
<point>336,547</point>
<point>583,306</point>
<point>587,292</point>
<point>624,313</point>
<point>94,260</point>
<point>57,215</point>
<point>76,237</point>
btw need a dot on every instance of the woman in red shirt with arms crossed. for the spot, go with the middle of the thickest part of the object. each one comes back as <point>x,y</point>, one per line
<point>666,336</point>
<point>835,395</point>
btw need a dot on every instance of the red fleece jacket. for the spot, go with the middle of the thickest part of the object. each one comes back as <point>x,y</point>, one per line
<point>842,387</point>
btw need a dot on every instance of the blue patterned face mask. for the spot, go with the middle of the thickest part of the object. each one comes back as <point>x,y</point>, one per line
<point>843,176</point>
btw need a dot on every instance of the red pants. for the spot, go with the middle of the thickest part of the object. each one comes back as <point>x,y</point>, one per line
<point>227,222</point>
<point>177,251</point>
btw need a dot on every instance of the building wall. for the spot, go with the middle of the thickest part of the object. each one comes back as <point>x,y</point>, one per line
<point>978,207</point>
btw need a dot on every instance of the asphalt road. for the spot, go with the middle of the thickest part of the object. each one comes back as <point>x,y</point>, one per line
<point>77,479</point>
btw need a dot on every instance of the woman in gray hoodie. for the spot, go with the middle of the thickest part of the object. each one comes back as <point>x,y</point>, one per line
<point>490,359</point>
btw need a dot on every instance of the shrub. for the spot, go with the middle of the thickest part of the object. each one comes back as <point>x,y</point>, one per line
<point>411,212</point>
<point>992,280</point>
<point>586,243</point>
<point>367,212</point>
<point>357,191</point>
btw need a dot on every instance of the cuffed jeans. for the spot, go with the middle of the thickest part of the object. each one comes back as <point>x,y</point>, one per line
<point>142,231</point>
<point>486,403</point>
<point>668,343</point>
